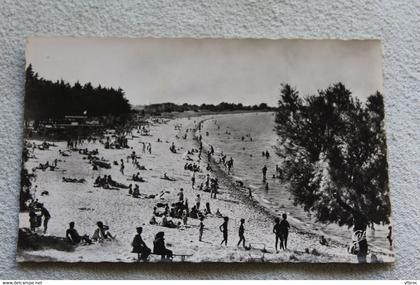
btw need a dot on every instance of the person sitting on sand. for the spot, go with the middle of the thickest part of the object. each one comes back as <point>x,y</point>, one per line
<point>97,181</point>
<point>166,212</point>
<point>323,241</point>
<point>160,248</point>
<point>218,214</point>
<point>207,210</point>
<point>130,189</point>
<point>73,236</point>
<point>168,223</point>
<point>155,211</point>
<point>139,246</point>
<point>172,213</point>
<point>136,191</point>
<point>153,221</point>
<point>194,212</point>
<point>137,177</point>
<point>172,148</point>
<point>101,233</point>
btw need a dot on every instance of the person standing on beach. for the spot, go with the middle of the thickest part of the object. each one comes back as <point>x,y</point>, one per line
<point>389,236</point>
<point>264,171</point>
<point>198,201</point>
<point>122,167</point>
<point>193,180</point>
<point>284,232</point>
<point>276,231</point>
<point>207,181</point>
<point>224,229</point>
<point>241,233</point>
<point>201,229</point>
<point>181,195</point>
<point>46,215</point>
<point>184,217</point>
<point>213,191</point>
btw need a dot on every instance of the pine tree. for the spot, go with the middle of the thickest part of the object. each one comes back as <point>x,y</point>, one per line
<point>335,155</point>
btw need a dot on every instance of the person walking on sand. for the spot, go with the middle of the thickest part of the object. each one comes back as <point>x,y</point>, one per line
<point>224,229</point>
<point>241,233</point>
<point>264,171</point>
<point>284,231</point>
<point>201,229</point>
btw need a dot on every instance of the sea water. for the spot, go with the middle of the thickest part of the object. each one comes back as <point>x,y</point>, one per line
<point>244,137</point>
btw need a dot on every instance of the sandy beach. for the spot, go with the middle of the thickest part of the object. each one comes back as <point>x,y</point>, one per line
<point>85,205</point>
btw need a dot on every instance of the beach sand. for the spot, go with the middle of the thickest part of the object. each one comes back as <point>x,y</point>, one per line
<point>85,205</point>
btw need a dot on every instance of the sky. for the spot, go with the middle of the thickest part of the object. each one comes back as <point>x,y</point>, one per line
<point>196,71</point>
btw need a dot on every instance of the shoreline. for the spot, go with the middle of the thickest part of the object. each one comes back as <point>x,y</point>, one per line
<point>241,192</point>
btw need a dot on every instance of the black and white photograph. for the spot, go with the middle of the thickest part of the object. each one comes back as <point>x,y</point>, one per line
<point>204,150</point>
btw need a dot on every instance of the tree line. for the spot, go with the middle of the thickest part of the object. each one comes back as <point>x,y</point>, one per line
<point>335,155</point>
<point>45,99</point>
<point>223,106</point>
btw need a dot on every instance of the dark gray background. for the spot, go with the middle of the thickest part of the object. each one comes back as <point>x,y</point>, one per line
<point>395,22</point>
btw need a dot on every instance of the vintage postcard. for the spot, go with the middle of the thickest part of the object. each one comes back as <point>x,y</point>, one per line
<point>204,150</point>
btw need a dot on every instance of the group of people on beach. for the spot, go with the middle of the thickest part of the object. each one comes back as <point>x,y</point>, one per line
<point>100,234</point>
<point>179,209</point>
<point>280,230</point>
